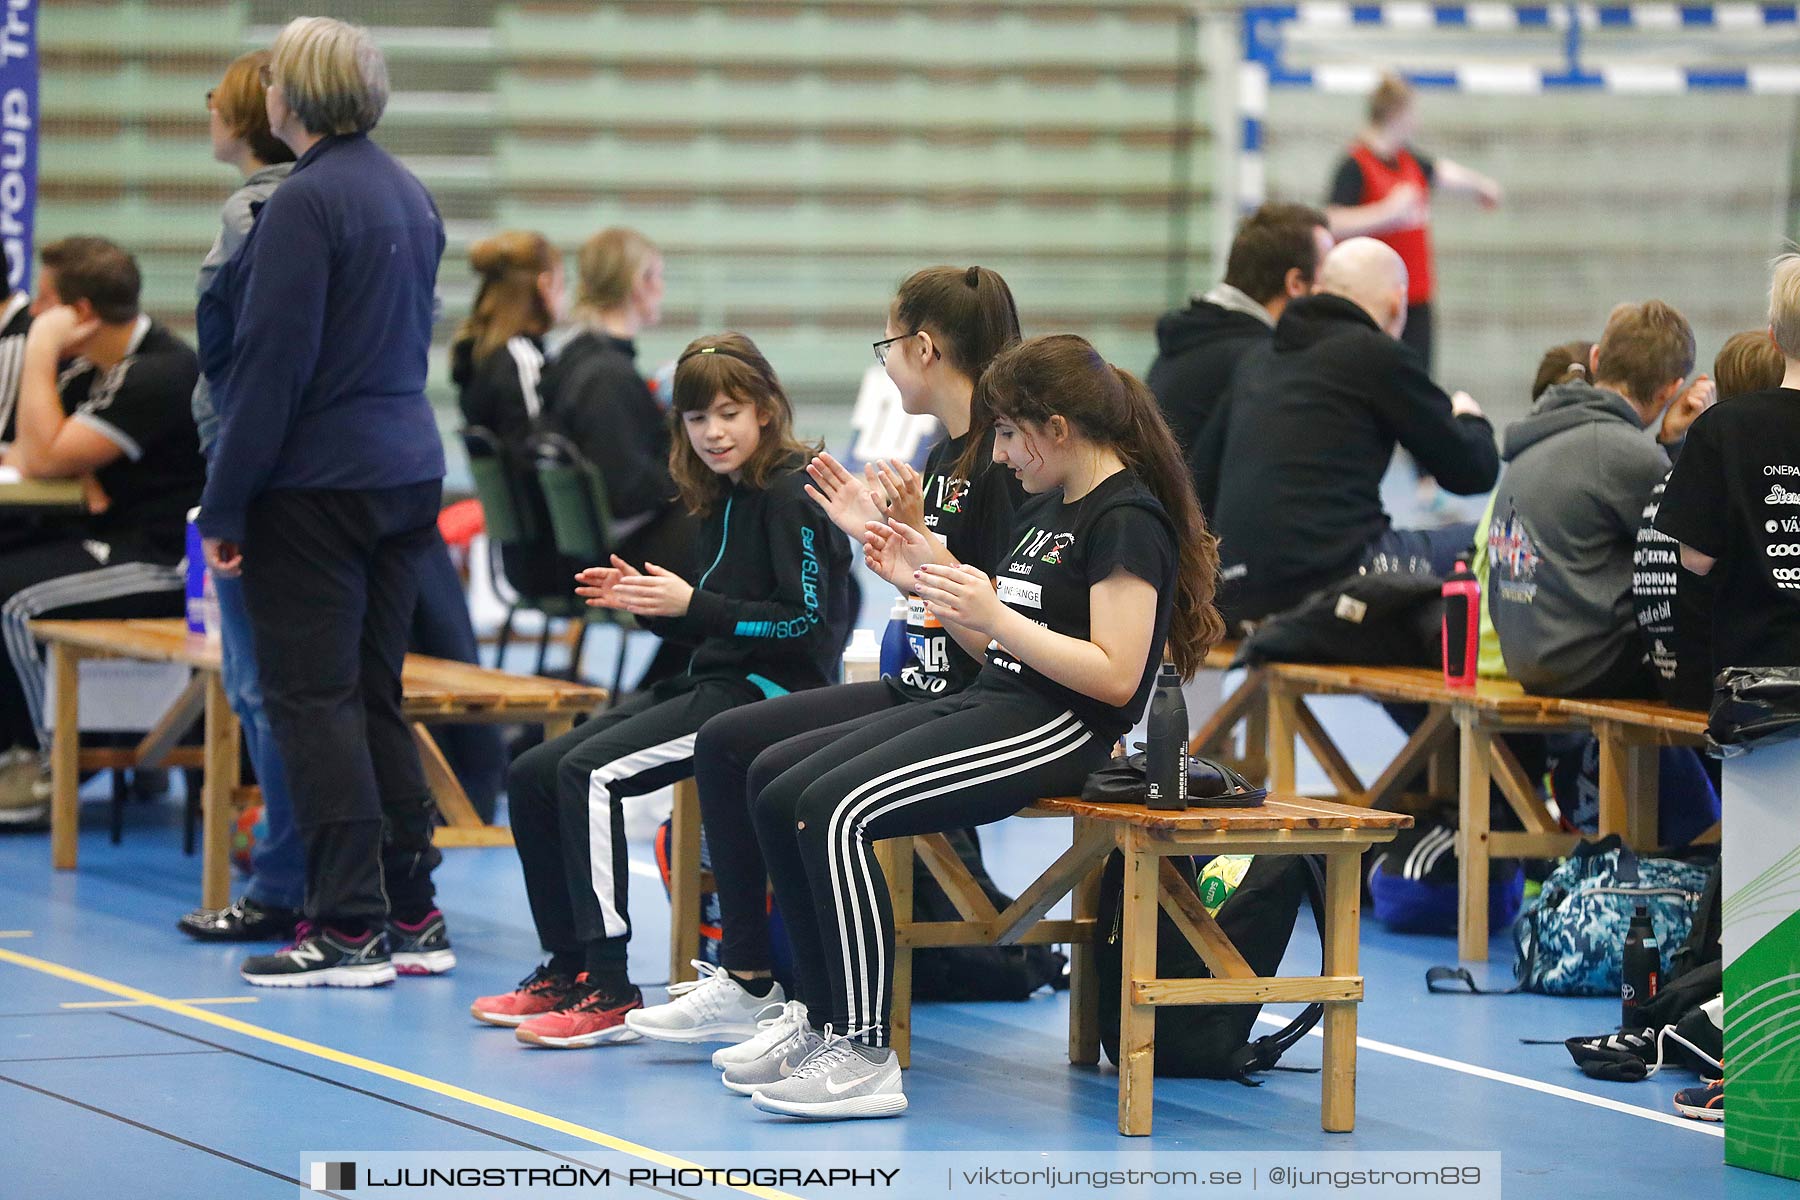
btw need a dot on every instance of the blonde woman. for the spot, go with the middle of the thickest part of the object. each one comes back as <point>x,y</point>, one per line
<point>594,396</point>
<point>324,494</point>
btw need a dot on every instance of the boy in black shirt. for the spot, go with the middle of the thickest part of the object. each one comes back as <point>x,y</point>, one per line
<point>103,398</point>
<point>1675,607</point>
<point>1733,502</point>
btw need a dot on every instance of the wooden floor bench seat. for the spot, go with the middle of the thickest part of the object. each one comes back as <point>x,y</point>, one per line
<point>1146,839</point>
<point>436,691</point>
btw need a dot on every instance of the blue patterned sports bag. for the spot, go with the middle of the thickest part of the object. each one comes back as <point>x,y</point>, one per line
<point>1571,940</point>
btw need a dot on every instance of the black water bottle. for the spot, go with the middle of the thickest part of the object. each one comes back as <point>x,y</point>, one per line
<point>1642,969</point>
<point>1165,752</point>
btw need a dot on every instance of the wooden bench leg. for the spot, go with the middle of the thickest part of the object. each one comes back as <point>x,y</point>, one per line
<point>1472,840</point>
<point>1137,1022</point>
<point>895,857</point>
<point>1084,981</point>
<point>65,757</point>
<point>223,770</point>
<point>1255,766</point>
<point>1284,726</point>
<point>1343,926</point>
<point>1627,786</point>
<point>684,882</point>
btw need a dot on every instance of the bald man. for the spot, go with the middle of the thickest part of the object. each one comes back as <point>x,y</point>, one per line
<point>1289,467</point>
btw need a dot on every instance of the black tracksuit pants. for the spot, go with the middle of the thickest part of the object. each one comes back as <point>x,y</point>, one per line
<point>736,755</point>
<point>967,759</point>
<point>330,580</point>
<point>569,825</point>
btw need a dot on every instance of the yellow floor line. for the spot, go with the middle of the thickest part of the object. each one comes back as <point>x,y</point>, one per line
<point>14,933</point>
<point>147,1004</point>
<point>357,1062</point>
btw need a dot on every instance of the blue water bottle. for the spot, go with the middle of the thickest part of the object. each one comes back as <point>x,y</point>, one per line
<point>894,648</point>
<point>196,576</point>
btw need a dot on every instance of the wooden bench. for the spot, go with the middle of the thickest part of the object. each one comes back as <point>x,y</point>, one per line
<point>436,691</point>
<point>1460,739</point>
<point>1146,839</point>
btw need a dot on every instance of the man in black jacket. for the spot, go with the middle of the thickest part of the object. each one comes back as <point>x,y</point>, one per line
<point>1274,259</point>
<point>1290,466</point>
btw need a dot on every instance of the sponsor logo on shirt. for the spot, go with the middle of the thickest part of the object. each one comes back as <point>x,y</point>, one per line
<point>1786,577</point>
<point>1020,592</point>
<point>1780,495</point>
<point>1781,469</point>
<point>1784,550</point>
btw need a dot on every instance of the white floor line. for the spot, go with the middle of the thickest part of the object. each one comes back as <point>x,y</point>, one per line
<point>647,870</point>
<point>1549,1089</point>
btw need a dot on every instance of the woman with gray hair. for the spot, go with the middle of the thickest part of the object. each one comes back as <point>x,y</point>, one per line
<point>324,494</point>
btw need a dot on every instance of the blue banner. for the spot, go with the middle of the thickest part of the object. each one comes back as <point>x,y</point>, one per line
<point>18,137</point>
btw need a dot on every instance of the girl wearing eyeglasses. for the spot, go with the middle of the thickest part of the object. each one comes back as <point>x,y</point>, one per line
<point>944,326</point>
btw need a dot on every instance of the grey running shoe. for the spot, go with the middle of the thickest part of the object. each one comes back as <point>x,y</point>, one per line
<point>777,1023</point>
<point>781,1061</point>
<point>840,1081</point>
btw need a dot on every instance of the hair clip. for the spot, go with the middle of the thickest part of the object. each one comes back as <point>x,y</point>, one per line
<point>972,277</point>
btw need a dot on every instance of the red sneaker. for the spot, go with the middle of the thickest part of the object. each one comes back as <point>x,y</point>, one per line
<point>541,991</point>
<point>587,1017</point>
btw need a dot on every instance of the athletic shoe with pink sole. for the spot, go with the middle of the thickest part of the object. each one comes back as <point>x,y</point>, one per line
<point>540,992</point>
<point>587,1017</point>
<point>422,948</point>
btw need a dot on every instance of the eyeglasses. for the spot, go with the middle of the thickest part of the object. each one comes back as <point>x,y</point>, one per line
<point>265,75</point>
<point>881,347</point>
<point>209,95</point>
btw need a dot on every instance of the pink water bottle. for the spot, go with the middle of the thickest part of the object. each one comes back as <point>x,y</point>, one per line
<point>1462,626</point>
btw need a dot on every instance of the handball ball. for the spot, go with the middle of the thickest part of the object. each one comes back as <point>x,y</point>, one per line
<point>249,830</point>
<point>1220,878</point>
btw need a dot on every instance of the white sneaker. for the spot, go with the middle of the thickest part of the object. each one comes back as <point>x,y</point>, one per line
<point>746,1079</point>
<point>712,1008</point>
<point>780,1022</point>
<point>839,1081</point>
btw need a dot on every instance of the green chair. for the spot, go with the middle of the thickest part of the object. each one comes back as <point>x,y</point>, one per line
<point>518,527</point>
<point>575,497</point>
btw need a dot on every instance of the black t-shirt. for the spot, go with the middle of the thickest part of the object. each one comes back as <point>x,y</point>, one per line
<point>1059,551</point>
<point>1674,612</point>
<point>1735,496</point>
<point>141,405</point>
<point>1347,187</point>
<point>973,518</point>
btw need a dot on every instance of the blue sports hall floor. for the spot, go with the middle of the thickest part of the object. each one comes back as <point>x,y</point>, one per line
<point>107,1091</point>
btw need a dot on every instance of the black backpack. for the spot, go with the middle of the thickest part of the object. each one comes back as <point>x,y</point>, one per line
<point>1365,619</point>
<point>963,973</point>
<point>1213,1041</point>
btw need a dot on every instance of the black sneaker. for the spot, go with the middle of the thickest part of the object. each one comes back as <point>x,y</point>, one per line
<point>323,957</point>
<point>243,920</point>
<point>422,948</point>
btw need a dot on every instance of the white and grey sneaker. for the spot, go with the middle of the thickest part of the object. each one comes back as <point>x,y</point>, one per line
<point>783,1060</point>
<point>779,1023</point>
<point>712,1008</point>
<point>842,1080</point>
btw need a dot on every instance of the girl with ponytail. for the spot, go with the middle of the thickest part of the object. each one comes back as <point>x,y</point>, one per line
<point>1108,566</point>
<point>944,325</point>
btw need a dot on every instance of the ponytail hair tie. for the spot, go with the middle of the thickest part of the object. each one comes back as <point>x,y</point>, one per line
<point>1576,368</point>
<point>972,277</point>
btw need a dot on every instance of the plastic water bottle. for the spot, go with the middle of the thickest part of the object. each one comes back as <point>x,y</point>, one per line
<point>862,657</point>
<point>1462,626</point>
<point>894,648</point>
<point>196,577</point>
<point>1642,969</point>
<point>1166,737</point>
